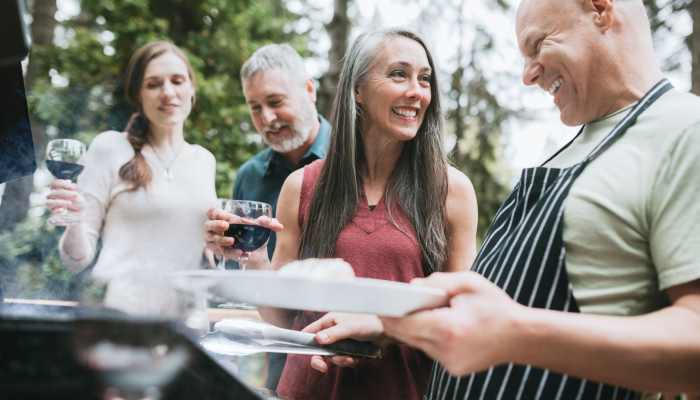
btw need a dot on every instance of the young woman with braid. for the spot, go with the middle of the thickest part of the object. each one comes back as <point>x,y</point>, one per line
<point>385,200</point>
<point>144,192</point>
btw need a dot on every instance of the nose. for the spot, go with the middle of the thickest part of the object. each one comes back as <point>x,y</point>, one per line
<point>168,89</point>
<point>416,91</point>
<point>267,115</point>
<point>531,71</point>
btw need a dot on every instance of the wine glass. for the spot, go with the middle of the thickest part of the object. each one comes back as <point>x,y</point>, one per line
<point>63,158</point>
<point>249,236</point>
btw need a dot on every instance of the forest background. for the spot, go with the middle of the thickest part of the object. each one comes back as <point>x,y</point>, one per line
<point>73,80</point>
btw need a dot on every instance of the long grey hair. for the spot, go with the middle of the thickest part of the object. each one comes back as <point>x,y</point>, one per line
<point>418,184</point>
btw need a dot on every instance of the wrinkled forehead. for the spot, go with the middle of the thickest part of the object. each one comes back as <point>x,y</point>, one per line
<point>539,15</point>
<point>403,50</point>
<point>268,83</point>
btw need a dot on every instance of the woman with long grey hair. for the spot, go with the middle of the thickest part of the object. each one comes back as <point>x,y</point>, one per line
<point>385,200</point>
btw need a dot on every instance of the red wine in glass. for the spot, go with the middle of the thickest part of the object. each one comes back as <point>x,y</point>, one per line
<point>248,237</point>
<point>64,169</point>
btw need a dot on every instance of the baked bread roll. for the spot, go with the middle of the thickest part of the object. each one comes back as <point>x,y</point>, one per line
<point>319,268</point>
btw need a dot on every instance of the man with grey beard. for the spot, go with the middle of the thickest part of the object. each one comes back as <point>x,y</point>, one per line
<point>282,102</point>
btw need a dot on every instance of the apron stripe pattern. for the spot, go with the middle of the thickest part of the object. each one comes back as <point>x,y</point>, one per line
<point>524,254</point>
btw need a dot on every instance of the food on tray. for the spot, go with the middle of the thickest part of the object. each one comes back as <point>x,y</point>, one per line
<point>319,268</point>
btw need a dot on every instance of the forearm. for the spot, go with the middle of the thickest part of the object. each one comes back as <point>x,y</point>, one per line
<point>277,316</point>
<point>76,248</point>
<point>654,352</point>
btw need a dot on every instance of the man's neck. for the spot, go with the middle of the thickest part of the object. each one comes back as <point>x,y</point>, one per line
<point>294,157</point>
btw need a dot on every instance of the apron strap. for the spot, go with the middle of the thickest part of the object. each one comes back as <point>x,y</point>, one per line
<point>630,119</point>
<point>580,131</point>
<point>647,100</point>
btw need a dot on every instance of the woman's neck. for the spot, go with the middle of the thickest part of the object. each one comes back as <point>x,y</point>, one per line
<point>381,156</point>
<point>169,138</point>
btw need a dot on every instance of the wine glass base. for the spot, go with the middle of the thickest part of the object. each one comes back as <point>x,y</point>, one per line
<point>237,306</point>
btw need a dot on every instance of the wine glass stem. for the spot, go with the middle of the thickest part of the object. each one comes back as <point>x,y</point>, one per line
<point>222,263</point>
<point>243,260</point>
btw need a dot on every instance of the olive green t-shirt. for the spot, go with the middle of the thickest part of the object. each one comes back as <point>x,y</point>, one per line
<point>632,218</point>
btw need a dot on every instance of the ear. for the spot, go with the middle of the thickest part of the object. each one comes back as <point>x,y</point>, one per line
<point>603,13</point>
<point>358,96</point>
<point>310,90</point>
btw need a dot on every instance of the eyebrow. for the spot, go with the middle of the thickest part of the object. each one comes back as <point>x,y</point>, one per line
<point>150,77</point>
<point>267,98</point>
<point>409,65</point>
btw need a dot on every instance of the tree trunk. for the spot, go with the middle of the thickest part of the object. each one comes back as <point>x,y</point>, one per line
<point>695,47</point>
<point>15,204</point>
<point>339,30</point>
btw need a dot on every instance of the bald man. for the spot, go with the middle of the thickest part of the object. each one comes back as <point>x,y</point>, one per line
<point>587,285</point>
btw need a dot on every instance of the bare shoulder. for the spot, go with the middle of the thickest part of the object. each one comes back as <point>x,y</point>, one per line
<point>288,202</point>
<point>459,185</point>
<point>461,204</point>
<point>293,182</point>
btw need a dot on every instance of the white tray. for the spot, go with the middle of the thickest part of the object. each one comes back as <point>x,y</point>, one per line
<point>356,295</point>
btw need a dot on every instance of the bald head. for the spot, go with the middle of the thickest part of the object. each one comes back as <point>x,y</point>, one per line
<point>593,56</point>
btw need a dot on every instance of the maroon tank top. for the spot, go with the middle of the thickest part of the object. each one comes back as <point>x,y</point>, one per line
<point>375,248</point>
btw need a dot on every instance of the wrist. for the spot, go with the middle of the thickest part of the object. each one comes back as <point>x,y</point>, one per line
<point>525,334</point>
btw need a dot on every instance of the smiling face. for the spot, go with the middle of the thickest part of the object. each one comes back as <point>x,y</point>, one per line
<point>562,47</point>
<point>395,94</point>
<point>282,109</point>
<point>167,91</point>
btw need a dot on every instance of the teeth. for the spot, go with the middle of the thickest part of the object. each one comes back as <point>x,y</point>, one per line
<point>275,126</point>
<point>555,87</point>
<point>411,113</point>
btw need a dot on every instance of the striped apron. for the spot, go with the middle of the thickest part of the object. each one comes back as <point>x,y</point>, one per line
<point>524,254</point>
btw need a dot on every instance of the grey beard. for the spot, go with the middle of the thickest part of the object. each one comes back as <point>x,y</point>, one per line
<point>290,144</point>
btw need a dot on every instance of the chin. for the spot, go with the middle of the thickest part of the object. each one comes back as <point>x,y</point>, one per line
<point>570,119</point>
<point>402,133</point>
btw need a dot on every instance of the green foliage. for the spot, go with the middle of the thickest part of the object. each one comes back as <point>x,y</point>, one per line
<point>476,116</point>
<point>218,35</point>
<point>29,262</point>
<point>77,91</point>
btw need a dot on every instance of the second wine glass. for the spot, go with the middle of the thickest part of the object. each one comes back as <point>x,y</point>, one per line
<point>248,235</point>
<point>63,160</point>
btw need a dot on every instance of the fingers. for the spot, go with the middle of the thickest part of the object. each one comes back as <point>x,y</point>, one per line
<point>423,330</point>
<point>453,282</point>
<point>216,226</point>
<point>344,361</point>
<point>358,329</point>
<point>319,364</point>
<point>271,223</point>
<point>64,196</point>
<point>56,205</point>
<point>320,324</point>
<point>214,234</point>
<point>216,214</point>
<point>66,184</point>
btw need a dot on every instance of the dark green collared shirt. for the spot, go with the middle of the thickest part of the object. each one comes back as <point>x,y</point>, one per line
<point>261,177</point>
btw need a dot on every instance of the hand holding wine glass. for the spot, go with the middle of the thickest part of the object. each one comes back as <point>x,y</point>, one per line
<point>63,160</point>
<point>239,230</point>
